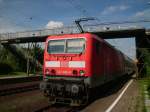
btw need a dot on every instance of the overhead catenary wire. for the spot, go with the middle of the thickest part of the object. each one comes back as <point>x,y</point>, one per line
<point>121,22</point>
<point>78,7</point>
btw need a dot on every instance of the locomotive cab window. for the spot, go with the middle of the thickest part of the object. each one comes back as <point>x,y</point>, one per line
<point>75,45</point>
<point>66,46</point>
<point>56,46</point>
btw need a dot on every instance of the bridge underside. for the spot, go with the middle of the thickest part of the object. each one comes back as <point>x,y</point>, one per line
<point>139,34</point>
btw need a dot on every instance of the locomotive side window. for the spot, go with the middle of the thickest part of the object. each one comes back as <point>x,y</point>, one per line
<point>56,46</point>
<point>75,45</point>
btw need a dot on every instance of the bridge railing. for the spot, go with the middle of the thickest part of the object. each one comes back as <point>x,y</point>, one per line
<point>66,30</point>
<point>38,33</point>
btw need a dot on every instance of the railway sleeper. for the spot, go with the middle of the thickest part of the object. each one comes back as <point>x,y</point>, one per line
<point>17,90</point>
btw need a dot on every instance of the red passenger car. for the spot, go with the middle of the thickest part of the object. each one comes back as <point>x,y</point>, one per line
<point>75,64</point>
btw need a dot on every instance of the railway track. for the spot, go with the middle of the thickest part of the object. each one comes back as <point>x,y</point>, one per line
<point>9,86</point>
<point>14,80</point>
<point>59,108</point>
<point>17,88</point>
<point>106,90</point>
<point>16,85</point>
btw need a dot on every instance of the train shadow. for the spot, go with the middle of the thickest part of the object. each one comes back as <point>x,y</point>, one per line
<point>109,88</point>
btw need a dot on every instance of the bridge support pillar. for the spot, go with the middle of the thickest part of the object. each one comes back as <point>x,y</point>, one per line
<point>141,43</point>
<point>140,64</point>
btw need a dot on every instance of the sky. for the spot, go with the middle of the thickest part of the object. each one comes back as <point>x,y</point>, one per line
<point>21,15</point>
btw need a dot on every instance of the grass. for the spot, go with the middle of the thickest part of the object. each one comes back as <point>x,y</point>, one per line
<point>142,82</point>
<point>148,70</point>
<point>14,74</point>
<point>148,79</point>
<point>145,82</point>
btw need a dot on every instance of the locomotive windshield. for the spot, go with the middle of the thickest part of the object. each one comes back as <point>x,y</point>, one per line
<point>56,46</point>
<point>66,46</point>
<point>75,45</point>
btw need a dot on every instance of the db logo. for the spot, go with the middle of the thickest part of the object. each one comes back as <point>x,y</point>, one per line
<point>64,64</point>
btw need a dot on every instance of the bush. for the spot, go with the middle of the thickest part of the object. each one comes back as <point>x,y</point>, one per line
<point>5,68</point>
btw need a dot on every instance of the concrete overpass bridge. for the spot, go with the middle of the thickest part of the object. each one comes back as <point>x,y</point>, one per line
<point>104,32</point>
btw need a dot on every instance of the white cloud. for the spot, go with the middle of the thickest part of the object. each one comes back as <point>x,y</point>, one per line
<point>54,24</point>
<point>138,14</point>
<point>144,14</point>
<point>141,15</point>
<point>7,26</point>
<point>123,7</point>
<point>112,9</point>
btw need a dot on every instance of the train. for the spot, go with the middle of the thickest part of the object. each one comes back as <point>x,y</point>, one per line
<point>77,64</point>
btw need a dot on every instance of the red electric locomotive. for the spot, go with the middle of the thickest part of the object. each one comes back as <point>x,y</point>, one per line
<point>75,64</point>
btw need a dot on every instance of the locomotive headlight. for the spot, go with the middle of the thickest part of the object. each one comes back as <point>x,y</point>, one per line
<point>82,72</point>
<point>74,88</point>
<point>47,71</point>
